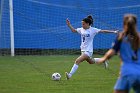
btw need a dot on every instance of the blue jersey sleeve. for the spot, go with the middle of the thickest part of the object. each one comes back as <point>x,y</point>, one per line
<point>116,44</point>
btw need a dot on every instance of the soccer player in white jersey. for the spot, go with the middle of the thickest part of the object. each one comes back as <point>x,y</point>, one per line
<point>87,35</point>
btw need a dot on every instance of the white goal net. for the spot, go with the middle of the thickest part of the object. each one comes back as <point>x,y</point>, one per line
<point>40,26</point>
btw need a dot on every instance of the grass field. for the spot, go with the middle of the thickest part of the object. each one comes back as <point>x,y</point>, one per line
<point>32,74</point>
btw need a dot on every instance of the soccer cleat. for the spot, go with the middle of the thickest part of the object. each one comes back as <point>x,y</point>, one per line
<point>106,64</point>
<point>67,75</point>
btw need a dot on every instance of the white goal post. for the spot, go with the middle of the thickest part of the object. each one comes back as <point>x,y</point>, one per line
<point>11,27</point>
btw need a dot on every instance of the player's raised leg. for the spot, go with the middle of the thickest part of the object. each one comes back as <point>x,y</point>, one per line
<point>105,63</point>
<point>95,60</point>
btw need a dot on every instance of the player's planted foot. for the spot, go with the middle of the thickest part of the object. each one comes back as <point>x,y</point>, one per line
<point>67,75</point>
<point>106,64</point>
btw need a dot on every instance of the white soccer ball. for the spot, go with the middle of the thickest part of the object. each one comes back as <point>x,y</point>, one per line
<point>56,76</point>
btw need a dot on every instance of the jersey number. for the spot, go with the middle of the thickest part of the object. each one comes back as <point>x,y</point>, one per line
<point>83,39</point>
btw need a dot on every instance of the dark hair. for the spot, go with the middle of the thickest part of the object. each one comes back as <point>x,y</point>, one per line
<point>88,19</point>
<point>131,31</point>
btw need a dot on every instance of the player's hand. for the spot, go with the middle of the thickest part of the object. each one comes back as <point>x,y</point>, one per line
<point>116,31</point>
<point>68,21</point>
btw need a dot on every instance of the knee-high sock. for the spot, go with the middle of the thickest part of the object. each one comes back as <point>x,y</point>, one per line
<point>73,69</point>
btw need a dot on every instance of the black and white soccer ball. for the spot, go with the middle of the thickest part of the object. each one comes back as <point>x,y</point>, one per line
<point>56,76</point>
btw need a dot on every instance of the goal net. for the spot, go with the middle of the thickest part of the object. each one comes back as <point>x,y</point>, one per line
<point>40,26</point>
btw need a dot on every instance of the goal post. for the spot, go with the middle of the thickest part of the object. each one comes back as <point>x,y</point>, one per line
<point>1,8</point>
<point>6,28</point>
<point>11,27</point>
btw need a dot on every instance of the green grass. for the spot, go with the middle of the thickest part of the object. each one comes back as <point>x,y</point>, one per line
<point>32,74</point>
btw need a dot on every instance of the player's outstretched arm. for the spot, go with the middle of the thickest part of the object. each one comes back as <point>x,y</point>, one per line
<point>110,31</point>
<point>70,26</point>
<point>108,55</point>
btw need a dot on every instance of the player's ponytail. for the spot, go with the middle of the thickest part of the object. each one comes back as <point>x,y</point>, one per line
<point>88,19</point>
<point>130,21</point>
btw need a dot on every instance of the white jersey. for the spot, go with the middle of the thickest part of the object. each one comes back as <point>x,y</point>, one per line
<point>87,37</point>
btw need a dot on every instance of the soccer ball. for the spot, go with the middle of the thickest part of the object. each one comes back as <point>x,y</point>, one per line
<point>56,76</point>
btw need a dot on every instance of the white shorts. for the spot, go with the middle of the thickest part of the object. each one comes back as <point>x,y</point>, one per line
<point>87,53</point>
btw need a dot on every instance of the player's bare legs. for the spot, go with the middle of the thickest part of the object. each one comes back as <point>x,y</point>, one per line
<point>76,64</point>
<point>82,58</point>
<point>95,60</point>
<point>90,60</point>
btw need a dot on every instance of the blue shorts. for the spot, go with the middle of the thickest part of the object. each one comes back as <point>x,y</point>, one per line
<point>127,82</point>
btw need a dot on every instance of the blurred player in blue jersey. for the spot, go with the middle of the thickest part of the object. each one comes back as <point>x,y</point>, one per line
<point>87,35</point>
<point>128,45</point>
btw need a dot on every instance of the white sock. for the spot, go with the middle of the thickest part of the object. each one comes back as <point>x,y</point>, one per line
<point>96,60</point>
<point>73,69</point>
